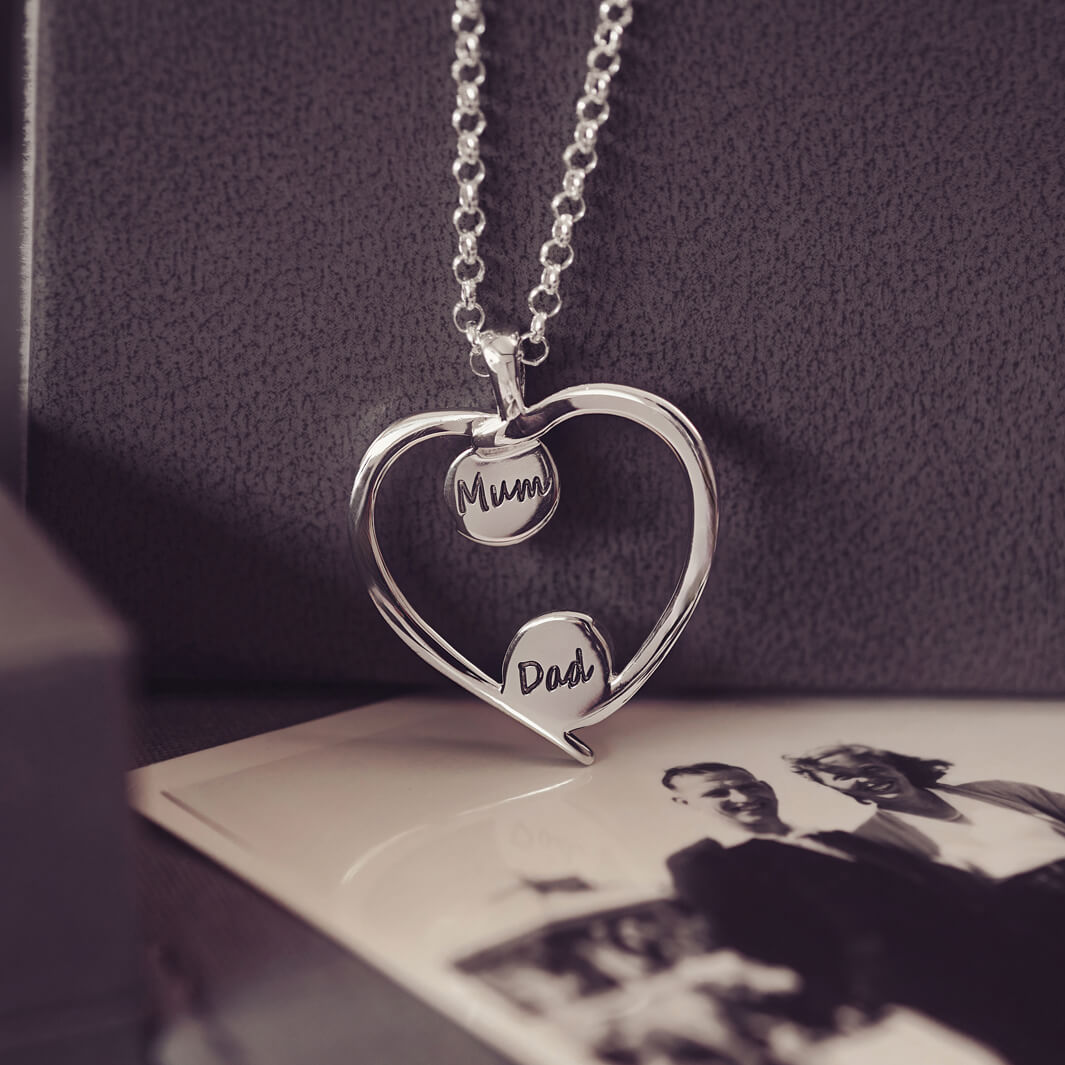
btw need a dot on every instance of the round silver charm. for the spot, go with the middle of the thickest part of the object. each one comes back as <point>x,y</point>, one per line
<point>558,669</point>
<point>502,496</point>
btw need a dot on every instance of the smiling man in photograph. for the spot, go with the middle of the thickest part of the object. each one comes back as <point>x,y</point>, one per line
<point>778,895</point>
<point>733,793</point>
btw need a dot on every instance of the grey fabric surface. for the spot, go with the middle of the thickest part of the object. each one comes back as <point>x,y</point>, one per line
<point>832,233</point>
<point>235,978</point>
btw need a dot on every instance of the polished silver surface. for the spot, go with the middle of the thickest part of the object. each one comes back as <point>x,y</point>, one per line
<point>503,495</point>
<point>555,639</point>
<point>557,669</point>
<point>579,160</point>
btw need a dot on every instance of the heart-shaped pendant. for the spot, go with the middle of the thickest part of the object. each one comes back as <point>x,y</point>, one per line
<point>557,674</point>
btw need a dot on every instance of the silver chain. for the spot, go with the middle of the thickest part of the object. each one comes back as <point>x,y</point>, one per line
<point>568,206</point>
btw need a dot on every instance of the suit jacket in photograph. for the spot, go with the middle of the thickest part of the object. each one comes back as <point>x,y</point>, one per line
<point>853,930</point>
<point>881,928</point>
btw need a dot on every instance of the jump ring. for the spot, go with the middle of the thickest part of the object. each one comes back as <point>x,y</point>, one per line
<point>460,313</point>
<point>477,359</point>
<point>572,150</point>
<point>552,300</point>
<point>475,217</point>
<point>562,201</point>
<point>552,245</point>
<point>525,359</point>
<point>459,69</point>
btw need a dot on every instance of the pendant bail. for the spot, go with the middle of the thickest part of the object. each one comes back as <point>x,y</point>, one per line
<point>502,356</point>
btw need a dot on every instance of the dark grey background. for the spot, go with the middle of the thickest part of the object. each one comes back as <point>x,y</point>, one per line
<point>11,71</point>
<point>832,234</point>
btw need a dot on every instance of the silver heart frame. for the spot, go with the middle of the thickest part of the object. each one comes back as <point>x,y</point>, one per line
<point>516,425</point>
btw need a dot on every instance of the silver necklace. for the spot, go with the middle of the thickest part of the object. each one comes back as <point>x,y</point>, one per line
<point>558,674</point>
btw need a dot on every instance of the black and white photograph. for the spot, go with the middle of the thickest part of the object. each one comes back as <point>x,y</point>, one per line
<point>738,885</point>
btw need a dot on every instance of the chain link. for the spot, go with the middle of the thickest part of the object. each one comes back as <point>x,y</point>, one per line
<point>579,160</point>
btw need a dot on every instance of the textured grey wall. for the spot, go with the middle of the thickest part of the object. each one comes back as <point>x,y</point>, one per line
<point>834,234</point>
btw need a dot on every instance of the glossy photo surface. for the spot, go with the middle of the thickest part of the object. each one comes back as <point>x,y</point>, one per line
<point>791,882</point>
